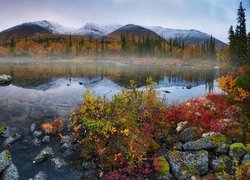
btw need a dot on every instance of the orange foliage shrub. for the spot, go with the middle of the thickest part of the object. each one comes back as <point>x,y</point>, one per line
<point>53,126</point>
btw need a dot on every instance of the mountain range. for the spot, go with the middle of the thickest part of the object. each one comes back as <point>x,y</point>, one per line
<point>96,31</point>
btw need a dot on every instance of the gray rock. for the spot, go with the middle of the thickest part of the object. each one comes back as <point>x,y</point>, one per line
<point>5,160</point>
<point>164,177</point>
<point>46,139</point>
<point>222,148</point>
<point>43,155</point>
<point>190,134</point>
<point>58,163</point>
<point>222,163</point>
<point>40,176</point>
<point>237,150</point>
<point>37,133</point>
<point>88,165</point>
<point>12,139</point>
<point>187,164</point>
<point>11,173</point>
<point>199,144</point>
<point>246,159</point>
<point>36,142</point>
<point>90,175</point>
<point>33,127</point>
<point>5,79</point>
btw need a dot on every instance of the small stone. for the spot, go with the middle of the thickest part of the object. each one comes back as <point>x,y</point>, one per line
<point>199,144</point>
<point>58,163</point>
<point>5,79</point>
<point>37,133</point>
<point>33,127</point>
<point>40,176</point>
<point>237,150</point>
<point>36,142</point>
<point>5,160</point>
<point>43,155</point>
<point>190,134</point>
<point>11,173</point>
<point>46,139</point>
<point>12,139</point>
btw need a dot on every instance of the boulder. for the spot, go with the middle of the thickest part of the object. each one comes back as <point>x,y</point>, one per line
<point>246,159</point>
<point>58,163</point>
<point>237,151</point>
<point>11,173</point>
<point>190,134</point>
<point>187,164</point>
<point>5,79</point>
<point>199,144</point>
<point>40,176</point>
<point>223,163</point>
<point>43,155</point>
<point>5,160</point>
<point>12,139</point>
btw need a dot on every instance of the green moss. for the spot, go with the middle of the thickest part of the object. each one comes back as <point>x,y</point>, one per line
<point>2,129</point>
<point>191,170</point>
<point>248,148</point>
<point>7,154</point>
<point>239,146</point>
<point>163,165</point>
<point>218,139</point>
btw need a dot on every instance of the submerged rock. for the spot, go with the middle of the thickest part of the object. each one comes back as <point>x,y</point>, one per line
<point>40,176</point>
<point>36,142</point>
<point>5,79</point>
<point>7,131</point>
<point>46,139</point>
<point>199,144</point>
<point>11,173</point>
<point>11,139</point>
<point>37,133</point>
<point>43,155</point>
<point>33,127</point>
<point>5,160</point>
<point>58,163</point>
<point>187,164</point>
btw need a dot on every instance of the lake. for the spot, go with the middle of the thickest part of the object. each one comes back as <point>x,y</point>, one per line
<point>44,90</point>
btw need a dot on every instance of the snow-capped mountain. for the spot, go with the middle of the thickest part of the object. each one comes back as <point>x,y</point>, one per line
<point>92,29</point>
<point>188,36</point>
<point>53,27</point>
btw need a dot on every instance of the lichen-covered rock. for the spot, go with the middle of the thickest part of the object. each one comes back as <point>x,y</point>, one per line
<point>222,163</point>
<point>40,176</point>
<point>5,160</point>
<point>2,130</point>
<point>7,131</point>
<point>161,165</point>
<point>199,144</point>
<point>221,142</point>
<point>12,139</point>
<point>43,155</point>
<point>237,150</point>
<point>246,159</point>
<point>11,173</point>
<point>58,163</point>
<point>187,164</point>
<point>46,139</point>
<point>5,79</point>
<point>190,134</point>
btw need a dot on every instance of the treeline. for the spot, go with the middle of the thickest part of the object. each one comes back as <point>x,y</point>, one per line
<point>239,41</point>
<point>48,45</point>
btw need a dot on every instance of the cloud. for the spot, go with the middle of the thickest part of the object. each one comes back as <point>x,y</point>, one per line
<point>211,16</point>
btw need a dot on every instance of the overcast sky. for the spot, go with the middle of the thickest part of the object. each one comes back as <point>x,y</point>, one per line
<point>210,16</point>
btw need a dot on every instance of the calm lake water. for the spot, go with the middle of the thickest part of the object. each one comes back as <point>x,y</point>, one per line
<point>44,90</point>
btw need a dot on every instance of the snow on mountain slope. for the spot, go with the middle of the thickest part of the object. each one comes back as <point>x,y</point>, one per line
<point>91,29</point>
<point>188,36</point>
<point>53,27</point>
